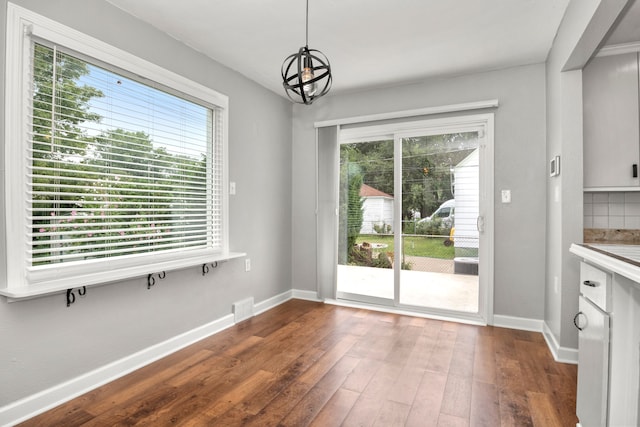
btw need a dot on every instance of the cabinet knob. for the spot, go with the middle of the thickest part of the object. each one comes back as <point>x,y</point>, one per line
<point>590,283</point>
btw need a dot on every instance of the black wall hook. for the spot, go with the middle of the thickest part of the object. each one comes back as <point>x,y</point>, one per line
<point>151,281</point>
<point>71,297</point>
<point>205,267</point>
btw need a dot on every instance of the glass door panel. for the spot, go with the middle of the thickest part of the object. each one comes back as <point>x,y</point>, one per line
<point>440,209</point>
<point>366,222</point>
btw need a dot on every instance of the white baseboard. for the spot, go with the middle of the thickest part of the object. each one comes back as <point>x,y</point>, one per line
<point>306,295</point>
<point>35,404</point>
<point>275,301</point>
<point>521,323</point>
<point>560,354</point>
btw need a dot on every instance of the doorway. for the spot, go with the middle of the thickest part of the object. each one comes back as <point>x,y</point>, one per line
<point>412,228</point>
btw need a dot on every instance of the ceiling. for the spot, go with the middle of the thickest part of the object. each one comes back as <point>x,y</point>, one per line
<point>370,43</point>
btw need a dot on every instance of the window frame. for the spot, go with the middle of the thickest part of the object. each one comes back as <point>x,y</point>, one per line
<point>23,26</point>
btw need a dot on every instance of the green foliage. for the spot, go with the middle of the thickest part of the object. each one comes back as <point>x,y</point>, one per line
<point>420,246</point>
<point>354,209</point>
<point>435,227</point>
<point>350,207</point>
<point>426,167</point>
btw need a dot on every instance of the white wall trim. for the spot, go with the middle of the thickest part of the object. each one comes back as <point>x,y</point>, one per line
<point>272,302</point>
<point>560,354</point>
<point>491,103</point>
<point>306,295</point>
<point>619,49</point>
<point>35,404</point>
<point>275,301</point>
<point>521,323</point>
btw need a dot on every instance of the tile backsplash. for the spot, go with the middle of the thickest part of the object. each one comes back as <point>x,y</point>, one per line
<point>612,210</point>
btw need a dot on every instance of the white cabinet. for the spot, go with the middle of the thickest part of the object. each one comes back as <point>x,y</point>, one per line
<point>611,121</point>
<point>593,365</point>
<point>592,321</point>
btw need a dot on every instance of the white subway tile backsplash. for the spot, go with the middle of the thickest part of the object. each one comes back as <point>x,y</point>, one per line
<point>632,197</point>
<point>600,197</point>
<point>588,209</point>
<point>600,209</point>
<point>631,222</point>
<point>632,209</point>
<point>616,209</point>
<point>600,221</point>
<point>616,222</point>
<point>588,221</point>
<point>613,210</point>
<point>616,197</point>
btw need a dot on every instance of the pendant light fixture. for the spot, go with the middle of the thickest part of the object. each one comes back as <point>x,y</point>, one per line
<point>306,75</point>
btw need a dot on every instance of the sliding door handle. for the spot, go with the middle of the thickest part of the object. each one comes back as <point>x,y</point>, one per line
<point>480,223</point>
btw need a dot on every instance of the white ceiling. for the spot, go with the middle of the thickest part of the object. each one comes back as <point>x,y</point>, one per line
<point>369,43</point>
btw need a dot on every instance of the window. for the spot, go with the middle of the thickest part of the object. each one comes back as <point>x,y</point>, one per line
<point>115,167</point>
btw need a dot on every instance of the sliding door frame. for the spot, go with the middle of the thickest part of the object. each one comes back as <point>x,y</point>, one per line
<point>464,122</point>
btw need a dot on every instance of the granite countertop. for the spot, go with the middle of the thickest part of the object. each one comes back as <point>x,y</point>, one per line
<point>611,236</point>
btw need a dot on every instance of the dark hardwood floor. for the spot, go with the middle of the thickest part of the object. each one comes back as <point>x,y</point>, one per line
<point>304,363</point>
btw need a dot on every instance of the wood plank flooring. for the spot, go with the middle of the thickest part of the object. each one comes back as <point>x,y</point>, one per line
<point>310,364</point>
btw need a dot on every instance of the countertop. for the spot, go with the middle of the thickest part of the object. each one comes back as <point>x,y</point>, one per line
<point>620,259</point>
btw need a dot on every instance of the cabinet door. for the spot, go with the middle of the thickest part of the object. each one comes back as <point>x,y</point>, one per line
<point>593,365</point>
<point>611,123</point>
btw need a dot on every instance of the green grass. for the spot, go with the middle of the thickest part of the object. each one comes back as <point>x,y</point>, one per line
<point>431,247</point>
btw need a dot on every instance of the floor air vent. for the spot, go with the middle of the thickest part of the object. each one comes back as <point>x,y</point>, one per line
<point>242,310</point>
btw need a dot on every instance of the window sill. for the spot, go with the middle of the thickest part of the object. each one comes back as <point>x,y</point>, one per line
<point>34,291</point>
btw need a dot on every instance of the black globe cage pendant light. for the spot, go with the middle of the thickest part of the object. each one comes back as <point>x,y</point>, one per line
<point>306,75</point>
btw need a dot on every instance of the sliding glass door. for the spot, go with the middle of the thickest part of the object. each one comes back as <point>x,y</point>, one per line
<point>365,222</point>
<point>440,208</point>
<point>410,220</point>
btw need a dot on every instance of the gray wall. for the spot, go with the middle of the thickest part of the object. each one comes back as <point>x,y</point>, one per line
<point>520,166</point>
<point>585,24</point>
<point>43,343</point>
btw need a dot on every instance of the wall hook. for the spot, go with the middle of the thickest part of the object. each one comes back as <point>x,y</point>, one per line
<point>205,267</point>
<point>151,281</point>
<point>71,297</point>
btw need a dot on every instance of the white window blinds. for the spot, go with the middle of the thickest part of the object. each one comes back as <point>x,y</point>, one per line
<point>116,167</point>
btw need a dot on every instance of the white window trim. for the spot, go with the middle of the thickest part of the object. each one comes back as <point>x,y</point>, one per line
<point>21,25</point>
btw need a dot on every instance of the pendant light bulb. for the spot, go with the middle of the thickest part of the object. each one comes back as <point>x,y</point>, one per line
<point>308,88</point>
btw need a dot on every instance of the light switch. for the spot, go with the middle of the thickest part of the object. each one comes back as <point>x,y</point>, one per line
<point>506,196</point>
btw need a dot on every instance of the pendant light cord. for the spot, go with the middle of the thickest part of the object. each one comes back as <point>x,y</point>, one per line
<point>307,29</point>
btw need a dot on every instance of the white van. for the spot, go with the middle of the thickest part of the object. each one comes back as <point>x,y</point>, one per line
<point>445,212</point>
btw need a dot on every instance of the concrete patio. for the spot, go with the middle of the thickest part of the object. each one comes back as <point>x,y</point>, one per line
<point>448,291</point>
